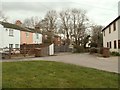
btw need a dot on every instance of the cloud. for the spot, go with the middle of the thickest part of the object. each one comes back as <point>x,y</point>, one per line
<point>100,11</point>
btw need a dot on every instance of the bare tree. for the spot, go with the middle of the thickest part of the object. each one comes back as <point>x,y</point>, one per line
<point>97,38</point>
<point>51,18</point>
<point>74,23</point>
<point>31,22</point>
<point>48,24</point>
<point>65,21</point>
<point>79,20</point>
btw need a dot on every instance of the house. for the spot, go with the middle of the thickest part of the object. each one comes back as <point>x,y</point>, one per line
<point>57,40</point>
<point>111,35</point>
<point>9,36</point>
<point>37,37</point>
<point>29,37</point>
<point>25,37</point>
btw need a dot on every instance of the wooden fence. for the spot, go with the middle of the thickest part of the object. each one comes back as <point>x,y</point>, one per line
<point>30,49</point>
<point>27,50</point>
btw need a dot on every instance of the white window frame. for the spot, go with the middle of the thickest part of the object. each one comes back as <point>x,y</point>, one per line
<point>11,32</point>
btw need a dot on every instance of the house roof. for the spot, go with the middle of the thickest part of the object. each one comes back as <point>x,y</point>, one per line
<point>17,27</point>
<point>111,23</point>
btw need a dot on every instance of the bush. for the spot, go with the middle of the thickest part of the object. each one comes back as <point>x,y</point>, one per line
<point>93,44</point>
<point>93,50</point>
<point>101,50</point>
<point>78,49</point>
<point>115,53</point>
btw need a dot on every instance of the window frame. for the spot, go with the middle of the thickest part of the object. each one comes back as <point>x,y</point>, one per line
<point>27,34</point>
<point>114,26</point>
<point>118,44</point>
<point>17,46</point>
<point>11,46</point>
<point>104,32</point>
<point>110,44</point>
<point>37,36</point>
<point>11,32</point>
<point>110,29</point>
<point>107,45</point>
<point>115,44</point>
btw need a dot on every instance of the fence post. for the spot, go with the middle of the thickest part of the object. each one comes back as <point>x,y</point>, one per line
<point>9,53</point>
<point>24,50</point>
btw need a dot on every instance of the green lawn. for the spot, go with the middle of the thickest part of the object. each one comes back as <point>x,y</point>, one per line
<point>40,74</point>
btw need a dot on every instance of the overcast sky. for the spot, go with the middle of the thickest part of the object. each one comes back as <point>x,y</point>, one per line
<point>99,11</point>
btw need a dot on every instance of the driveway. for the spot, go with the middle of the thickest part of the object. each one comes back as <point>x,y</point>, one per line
<point>85,59</point>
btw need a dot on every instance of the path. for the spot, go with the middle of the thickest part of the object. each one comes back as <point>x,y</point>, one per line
<point>87,60</point>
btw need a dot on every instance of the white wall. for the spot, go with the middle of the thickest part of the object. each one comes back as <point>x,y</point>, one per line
<point>51,49</point>
<point>37,40</point>
<point>5,39</point>
<point>119,30</point>
<point>111,37</point>
<point>1,36</point>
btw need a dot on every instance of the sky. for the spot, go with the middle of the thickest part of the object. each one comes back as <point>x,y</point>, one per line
<point>100,12</point>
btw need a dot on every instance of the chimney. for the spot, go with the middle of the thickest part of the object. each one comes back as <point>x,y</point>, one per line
<point>119,8</point>
<point>18,22</point>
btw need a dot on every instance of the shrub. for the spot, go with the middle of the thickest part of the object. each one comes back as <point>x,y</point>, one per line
<point>93,44</point>
<point>115,53</point>
<point>93,50</point>
<point>101,50</point>
<point>78,49</point>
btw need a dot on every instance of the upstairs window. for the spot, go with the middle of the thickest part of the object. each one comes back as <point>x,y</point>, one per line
<point>104,33</point>
<point>109,29</point>
<point>10,32</point>
<point>27,34</point>
<point>114,26</point>
<point>37,36</point>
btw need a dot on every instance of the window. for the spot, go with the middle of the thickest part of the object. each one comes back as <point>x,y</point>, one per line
<point>114,26</point>
<point>107,44</point>
<point>104,33</point>
<point>10,45</point>
<point>46,36</point>
<point>110,45</point>
<point>109,29</point>
<point>58,38</point>
<point>37,36</point>
<point>115,45</point>
<point>119,44</point>
<point>27,34</point>
<point>10,32</point>
<point>6,29</point>
<point>16,45</point>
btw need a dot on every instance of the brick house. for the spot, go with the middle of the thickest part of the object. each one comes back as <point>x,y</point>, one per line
<point>57,40</point>
<point>29,37</point>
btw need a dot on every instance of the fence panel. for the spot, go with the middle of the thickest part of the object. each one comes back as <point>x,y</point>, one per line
<point>63,48</point>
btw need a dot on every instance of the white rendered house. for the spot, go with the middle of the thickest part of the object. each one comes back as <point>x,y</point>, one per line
<point>37,38</point>
<point>111,35</point>
<point>9,38</point>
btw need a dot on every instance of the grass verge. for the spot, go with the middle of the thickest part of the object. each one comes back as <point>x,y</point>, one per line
<point>46,74</point>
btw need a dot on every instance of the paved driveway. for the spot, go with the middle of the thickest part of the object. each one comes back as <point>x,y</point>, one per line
<point>87,60</point>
